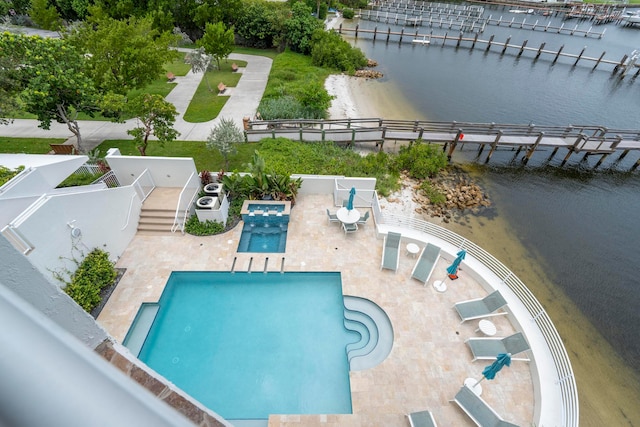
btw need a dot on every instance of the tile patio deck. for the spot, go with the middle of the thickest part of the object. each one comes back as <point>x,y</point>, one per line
<point>429,360</point>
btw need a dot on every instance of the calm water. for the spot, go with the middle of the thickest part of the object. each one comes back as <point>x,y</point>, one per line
<point>582,225</point>
<point>248,345</point>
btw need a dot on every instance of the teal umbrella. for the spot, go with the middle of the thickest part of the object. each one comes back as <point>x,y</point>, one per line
<point>352,194</point>
<point>489,372</point>
<point>453,268</point>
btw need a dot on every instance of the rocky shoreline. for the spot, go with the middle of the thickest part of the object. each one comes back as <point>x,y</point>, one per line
<point>462,195</point>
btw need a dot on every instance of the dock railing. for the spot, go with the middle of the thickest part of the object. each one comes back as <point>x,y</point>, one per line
<point>565,378</point>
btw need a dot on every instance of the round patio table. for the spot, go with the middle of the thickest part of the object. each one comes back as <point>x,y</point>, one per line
<point>347,216</point>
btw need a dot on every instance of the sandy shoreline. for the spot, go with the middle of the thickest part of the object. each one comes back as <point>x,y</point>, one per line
<point>598,370</point>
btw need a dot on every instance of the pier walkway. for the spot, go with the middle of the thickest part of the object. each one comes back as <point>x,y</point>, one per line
<point>585,139</point>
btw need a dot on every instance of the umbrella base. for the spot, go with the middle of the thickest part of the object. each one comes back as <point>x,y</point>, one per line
<point>440,285</point>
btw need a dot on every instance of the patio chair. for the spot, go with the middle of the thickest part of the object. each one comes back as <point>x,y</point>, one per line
<point>332,217</point>
<point>481,307</point>
<point>422,419</point>
<point>391,251</point>
<point>484,348</point>
<point>363,219</point>
<point>427,262</point>
<point>349,228</point>
<point>478,410</point>
<point>345,202</point>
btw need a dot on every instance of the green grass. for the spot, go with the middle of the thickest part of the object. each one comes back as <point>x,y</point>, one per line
<point>210,160</point>
<point>269,53</point>
<point>206,104</point>
<point>28,145</point>
<point>290,73</point>
<point>178,67</point>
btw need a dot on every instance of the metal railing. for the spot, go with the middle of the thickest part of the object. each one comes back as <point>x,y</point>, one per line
<point>109,179</point>
<point>185,200</point>
<point>144,185</point>
<point>565,377</point>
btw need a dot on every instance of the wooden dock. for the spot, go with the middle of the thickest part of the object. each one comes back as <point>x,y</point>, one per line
<point>628,63</point>
<point>574,139</point>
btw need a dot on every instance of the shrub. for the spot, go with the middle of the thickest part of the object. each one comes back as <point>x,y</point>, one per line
<point>348,13</point>
<point>421,160</point>
<point>7,174</point>
<point>434,195</point>
<point>285,107</point>
<point>78,179</point>
<point>329,49</point>
<point>95,272</point>
<point>207,228</point>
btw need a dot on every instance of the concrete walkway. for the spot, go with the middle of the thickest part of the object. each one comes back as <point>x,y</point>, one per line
<point>243,101</point>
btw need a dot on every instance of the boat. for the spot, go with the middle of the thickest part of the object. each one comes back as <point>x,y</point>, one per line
<point>423,40</point>
<point>529,11</point>
<point>631,17</point>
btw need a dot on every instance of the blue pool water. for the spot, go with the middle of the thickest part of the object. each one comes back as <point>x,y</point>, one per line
<point>264,234</point>
<point>279,207</point>
<point>248,345</point>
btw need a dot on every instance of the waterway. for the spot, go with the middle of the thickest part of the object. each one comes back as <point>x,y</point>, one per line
<point>570,234</point>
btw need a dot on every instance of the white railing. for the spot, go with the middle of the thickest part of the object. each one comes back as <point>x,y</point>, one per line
<point>144,185</point>
<point>565,378</point>
<point>88,169</point>
<point>109,179</point>
<point>126,224</point>
<point>187,197</point>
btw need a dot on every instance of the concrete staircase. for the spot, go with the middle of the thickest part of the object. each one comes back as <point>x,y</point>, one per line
<point>156,221</point>
<point>158,212</point>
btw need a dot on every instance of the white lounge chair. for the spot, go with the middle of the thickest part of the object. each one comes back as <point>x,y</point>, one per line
<point>391,251</point>
<point>426,263</point>
<point>487,348</point>
<point>481,307</point>
<point>422,419</point>
<point>478,410</point>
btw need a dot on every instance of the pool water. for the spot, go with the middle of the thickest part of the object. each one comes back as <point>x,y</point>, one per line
<point>276,207</point>
<point>264,234</point>
<point>248,345</point>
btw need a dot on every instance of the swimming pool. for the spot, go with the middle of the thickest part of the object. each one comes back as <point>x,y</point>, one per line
<point>264,233</point>
<point>248,345</point>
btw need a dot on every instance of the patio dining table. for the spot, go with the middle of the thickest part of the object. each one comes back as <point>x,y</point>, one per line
<point>347,216</point>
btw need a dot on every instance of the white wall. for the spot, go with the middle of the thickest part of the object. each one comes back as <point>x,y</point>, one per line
<point>48,172</point>
<point>317,184</point>
<point>166,171</point>
<point>17,274</point>
<point>100,215</point>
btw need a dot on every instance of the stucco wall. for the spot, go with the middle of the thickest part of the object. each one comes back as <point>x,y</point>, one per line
<point>108,220</point>
<point>166,171</point>
<point>17,274</point>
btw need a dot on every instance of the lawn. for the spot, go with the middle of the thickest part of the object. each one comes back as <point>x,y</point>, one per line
<point>206,104</point>
<point>28,145</point>
<point>205,159</point>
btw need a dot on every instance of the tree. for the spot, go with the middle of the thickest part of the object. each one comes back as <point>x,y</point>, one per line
<point>45,15</point>
<point>156,117</point>
<point>261,23</point>
<point>54,85</point>
<point>224,137</point>
<point>9,87</point>
<point>200,62</point>
<point>124,55</point>
<point>224,11</point>
<point>300,28</point>
<point>217,41</point>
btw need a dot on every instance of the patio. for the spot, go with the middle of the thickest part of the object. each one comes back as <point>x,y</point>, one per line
<point>429,360</point>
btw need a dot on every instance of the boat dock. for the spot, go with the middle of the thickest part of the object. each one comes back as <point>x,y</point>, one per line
<point>585,140</point>
<point>628,63</point>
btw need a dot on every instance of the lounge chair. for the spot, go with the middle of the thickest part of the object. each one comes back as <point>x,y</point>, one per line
<point>391,251</point>
<point>481,307</point>
<point>478,410</point>
<point>427,262</point>
<point>422,419</point>
<point>349,228</point>
<point>487,348</point>
<point>363,219</point>
<point>332,217</point>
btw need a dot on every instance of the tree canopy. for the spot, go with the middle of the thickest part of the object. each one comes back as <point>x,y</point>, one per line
<point>123,55</point>
<point>156,117</point>
<point>300,28</point>
<point>217,41</point>
<point>52,80</point>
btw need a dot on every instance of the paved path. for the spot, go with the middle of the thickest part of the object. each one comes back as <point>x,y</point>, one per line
<point>243,101</point>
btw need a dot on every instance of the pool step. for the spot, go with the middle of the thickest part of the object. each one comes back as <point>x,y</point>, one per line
<point>372,323</point>
<point>135,338</point>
